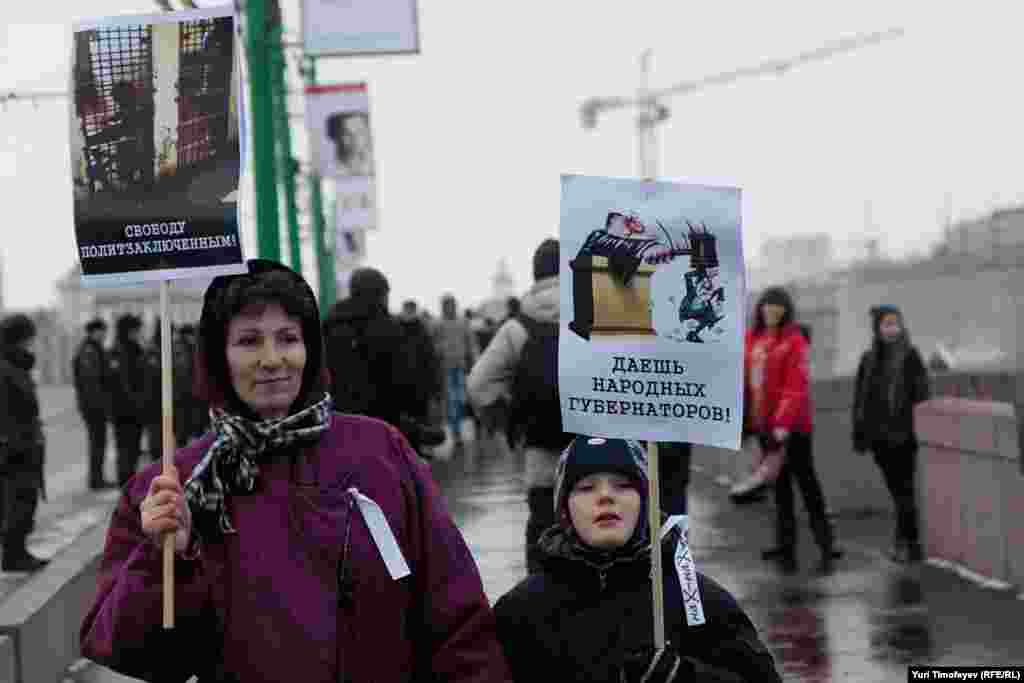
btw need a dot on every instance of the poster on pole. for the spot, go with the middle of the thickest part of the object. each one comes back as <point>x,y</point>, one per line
<point>652,310</point>
<point>156,149</point>
<point>360,27</point>
<point>338,120</point>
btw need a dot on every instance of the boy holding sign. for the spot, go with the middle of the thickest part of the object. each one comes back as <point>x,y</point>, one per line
<point>586,616</point>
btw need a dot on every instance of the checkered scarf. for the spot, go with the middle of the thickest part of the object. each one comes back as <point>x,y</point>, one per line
<point>231,466</point>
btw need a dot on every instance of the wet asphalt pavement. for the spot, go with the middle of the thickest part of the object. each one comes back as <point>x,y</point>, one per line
<point>868,621</point>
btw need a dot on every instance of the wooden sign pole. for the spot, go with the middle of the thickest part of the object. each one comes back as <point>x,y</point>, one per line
<point>654,516</point>
<point>167,402</point>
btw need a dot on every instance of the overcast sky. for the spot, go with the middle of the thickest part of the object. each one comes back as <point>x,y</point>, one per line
<point>472,134</point>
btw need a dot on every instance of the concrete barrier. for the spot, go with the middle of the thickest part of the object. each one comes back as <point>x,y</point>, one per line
<point>971,487</point>
<point>852,483</point>
<point>39,620</point>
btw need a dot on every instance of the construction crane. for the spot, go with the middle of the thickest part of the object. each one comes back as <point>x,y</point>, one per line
<point>15,96</point>
<point>651,109</point>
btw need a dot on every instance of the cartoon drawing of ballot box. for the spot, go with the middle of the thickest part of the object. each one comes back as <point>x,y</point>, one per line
<point>605,305</point>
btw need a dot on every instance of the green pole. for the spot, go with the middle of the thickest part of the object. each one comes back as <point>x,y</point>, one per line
<point>324,254</point>
<point>287,165</point>
<point>262,108</point>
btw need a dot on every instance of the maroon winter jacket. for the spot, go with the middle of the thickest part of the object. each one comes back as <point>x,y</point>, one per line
<point>265,605</point>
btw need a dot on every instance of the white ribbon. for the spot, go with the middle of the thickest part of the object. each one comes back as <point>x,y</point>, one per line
<point>382,535</point>
<point>686,569</point>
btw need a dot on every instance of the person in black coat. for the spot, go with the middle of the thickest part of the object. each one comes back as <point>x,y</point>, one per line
<point>154,388</point>
<point>22,443</point>
<point>129,394</point>
<point>90,377</point>
<point>371,370</point>
<point>587,615</point>
<point>425,361</point>
<point>891,380</point>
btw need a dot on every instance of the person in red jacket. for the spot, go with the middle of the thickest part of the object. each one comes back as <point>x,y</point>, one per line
<point>779,412</point>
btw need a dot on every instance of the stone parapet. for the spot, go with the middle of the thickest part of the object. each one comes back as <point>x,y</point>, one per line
<point>971,486</point>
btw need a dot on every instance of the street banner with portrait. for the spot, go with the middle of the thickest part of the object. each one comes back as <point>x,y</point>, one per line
<point>360,27</point>
<point>156,151</point>
<point>338,120</point>
<point>652,310</point>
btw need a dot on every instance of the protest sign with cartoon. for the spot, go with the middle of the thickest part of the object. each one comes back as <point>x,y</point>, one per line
<point>652,289</point>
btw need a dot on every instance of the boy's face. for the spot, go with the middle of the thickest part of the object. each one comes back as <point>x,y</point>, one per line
<point>604,509</point>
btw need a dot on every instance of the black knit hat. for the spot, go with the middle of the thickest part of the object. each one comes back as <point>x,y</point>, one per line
<point>587,455</point>
<point>16,328</point>
<point>546,260</point>
<point>128,323</point>
<point>95,324</point>
<point>368,283</point>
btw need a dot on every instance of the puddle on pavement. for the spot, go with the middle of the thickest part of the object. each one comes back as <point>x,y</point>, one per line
<point>900,623</point>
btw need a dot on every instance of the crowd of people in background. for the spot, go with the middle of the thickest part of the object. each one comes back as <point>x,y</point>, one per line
<point>408,369</point>
<point>427,375</point>
<point>235,402</point>
<point>120,387</point>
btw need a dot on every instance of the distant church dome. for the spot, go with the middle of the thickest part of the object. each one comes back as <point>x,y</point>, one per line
<point>503,283</point>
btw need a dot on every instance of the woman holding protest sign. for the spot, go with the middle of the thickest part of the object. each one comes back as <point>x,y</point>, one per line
<point>777,366</point>
<point>587,615</point>
<point>307,542</point>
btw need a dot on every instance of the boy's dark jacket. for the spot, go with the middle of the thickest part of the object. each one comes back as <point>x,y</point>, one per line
<point>574,622</point>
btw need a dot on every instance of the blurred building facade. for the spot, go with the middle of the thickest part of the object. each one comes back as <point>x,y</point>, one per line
<point>808,257</point>
<point>987,236</point>
<point>959,303</point>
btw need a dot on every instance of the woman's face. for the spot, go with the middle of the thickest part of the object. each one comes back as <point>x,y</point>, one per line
<point>890,327</point>
<point>604,509</point>
<point>266,356</point>
<point>772,314</point>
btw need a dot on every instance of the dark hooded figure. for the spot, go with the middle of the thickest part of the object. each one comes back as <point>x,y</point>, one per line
<point>587,615</point>
<point>130,378</point>
<point>90,377</point>
<point>154,405</point>
<point>309,545</point>
<point>22,444</point>
<point>891,380</point>
<point>190,413</point>
<point>372,371</point>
